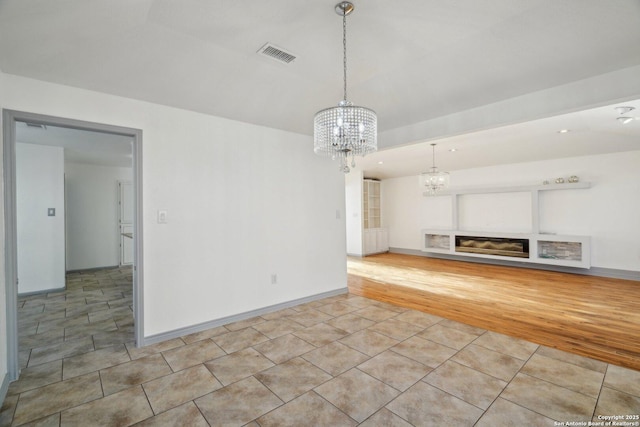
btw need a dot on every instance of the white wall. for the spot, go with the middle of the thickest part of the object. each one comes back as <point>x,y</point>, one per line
<point>353,216</point>
<point>92,214</point>
<point>243,202</point>
<point>609,211</point>
<point>39,186</point>
<point>400,211</point>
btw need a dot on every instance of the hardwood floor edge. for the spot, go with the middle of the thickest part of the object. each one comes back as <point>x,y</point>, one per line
<point>594,317</point>
<point>612,273</point>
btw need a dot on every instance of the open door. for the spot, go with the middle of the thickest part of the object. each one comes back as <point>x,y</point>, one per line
<point>130,211</point>
<point>125,222</point>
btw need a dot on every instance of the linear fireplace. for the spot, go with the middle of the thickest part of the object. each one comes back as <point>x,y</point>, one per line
<point>500,246</point>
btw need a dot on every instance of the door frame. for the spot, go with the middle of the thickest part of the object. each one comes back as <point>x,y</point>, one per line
<point>121,238</point>
<point>9,119</point>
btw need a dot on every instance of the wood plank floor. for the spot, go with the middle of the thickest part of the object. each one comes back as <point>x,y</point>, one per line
<point>591,316</point>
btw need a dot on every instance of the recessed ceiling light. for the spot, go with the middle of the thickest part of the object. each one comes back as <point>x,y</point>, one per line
<point>453,149</point>
<point>564,131</point>
<point>624,110</point>
<point>380,162</point>
<point>625,120</point>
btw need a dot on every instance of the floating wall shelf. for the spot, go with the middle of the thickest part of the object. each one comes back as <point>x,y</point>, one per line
<point>513,189</point>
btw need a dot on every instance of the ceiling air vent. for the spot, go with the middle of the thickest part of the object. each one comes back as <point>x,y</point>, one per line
<point>276,53</point>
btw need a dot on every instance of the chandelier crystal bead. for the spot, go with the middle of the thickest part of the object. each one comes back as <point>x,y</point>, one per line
<point>347,130</point>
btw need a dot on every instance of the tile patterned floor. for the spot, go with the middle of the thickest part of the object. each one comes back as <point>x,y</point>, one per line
<point>340,361</point>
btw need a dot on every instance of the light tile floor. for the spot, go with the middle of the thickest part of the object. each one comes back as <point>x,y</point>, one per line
<point>340,361</point>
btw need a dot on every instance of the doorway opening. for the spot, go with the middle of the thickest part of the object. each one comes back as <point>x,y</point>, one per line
<point>74,145</point>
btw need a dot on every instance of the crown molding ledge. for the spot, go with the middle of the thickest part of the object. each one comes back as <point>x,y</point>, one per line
<point>597,91</point>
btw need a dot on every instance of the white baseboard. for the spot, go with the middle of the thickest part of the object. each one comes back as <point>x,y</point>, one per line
<point>177,333</point>
<point>90,269</point>
<point>44,291</point>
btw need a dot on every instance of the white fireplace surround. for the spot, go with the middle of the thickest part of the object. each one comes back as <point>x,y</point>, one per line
<point>544,248</point>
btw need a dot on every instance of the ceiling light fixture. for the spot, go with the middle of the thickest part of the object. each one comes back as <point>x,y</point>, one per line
<point>564,131</point>
<point>624,110</point>
<point>434,181</point>
<point>346,130</point>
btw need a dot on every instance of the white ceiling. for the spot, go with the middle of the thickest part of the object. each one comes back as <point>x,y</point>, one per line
<point>590,132</point>
<point>410,60</point>
<point>80,146</point>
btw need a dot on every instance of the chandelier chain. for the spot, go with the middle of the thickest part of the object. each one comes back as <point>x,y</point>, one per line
<point>433,156</point>
<point>344,50</point>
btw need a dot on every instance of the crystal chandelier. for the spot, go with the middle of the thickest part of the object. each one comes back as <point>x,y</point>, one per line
<point>434,181</point>
<point>347,130</point>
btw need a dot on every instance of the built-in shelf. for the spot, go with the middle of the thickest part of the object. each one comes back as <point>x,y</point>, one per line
<point>375,238</point>
<point>437,241</point>
<point>553,249</point>
<point>538,247</point>
<point>371,204</point>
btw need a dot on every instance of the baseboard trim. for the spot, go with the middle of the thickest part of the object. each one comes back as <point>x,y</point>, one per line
<point>81,270</point>
<point>177,333</point>
<point>4,388</point>
<point>614,273</point>
<point>44,291</point>
<point>593,271</point>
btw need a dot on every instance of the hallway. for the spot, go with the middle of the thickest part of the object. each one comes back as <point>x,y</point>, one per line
<point>94,312</point>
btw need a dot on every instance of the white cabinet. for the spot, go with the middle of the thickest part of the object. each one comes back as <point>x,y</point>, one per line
<point>376,240</point>
<point>369,241</point>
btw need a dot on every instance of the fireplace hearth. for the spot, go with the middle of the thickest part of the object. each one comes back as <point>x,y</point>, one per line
<point>501,246</point>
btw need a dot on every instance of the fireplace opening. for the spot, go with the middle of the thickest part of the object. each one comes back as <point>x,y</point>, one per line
<point>501,246</point>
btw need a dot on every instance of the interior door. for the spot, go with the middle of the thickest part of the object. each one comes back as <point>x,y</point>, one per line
<point>125,222</point>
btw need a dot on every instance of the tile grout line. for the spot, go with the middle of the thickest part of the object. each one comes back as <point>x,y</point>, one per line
<point>149,401</point>
<point>604,377</point>
<point>356,367</point>
<point>447,360</point>
<point>499,396</point>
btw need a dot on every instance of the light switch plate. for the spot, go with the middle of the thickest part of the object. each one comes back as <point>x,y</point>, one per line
<point>162,217</point>
<point>51,211</point>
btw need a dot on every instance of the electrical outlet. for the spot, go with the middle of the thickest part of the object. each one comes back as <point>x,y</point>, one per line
<point>274,279</point>
<point>51,211</point>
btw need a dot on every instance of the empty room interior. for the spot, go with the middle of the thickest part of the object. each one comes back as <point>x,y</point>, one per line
<point>330,214</point>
